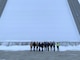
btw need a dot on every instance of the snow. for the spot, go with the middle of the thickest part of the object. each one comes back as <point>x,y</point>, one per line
<point>14,48</point>
<point>38,20</point>
<point>70,48</point>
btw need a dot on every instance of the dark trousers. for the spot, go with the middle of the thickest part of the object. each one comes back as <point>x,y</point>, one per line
<point>57,48</point>
<point>54,48</point>
<point>34,48</point>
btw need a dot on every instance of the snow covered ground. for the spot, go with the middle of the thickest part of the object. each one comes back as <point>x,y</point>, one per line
<point>14,48</point>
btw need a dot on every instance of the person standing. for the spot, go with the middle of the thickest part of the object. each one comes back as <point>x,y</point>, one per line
<point>57,44</point>
<point>34,44</point>
<point>54,46</point>
<point>37,46</point>
<point>42,44</point>
<point>51,44</point>
<point>31,44</point>
<point>48,44</point>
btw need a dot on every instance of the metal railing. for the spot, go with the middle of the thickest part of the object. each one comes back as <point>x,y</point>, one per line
<point>27,43</point>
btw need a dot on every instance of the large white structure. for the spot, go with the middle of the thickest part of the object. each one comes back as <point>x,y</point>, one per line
<point>38,20</point>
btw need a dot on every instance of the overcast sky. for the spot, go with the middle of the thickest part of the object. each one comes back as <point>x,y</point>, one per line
<point>38,20</point>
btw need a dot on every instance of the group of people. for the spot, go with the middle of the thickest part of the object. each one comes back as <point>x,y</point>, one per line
<point>41,46</point>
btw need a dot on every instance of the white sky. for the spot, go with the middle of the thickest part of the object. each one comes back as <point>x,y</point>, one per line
<point>38,20</point>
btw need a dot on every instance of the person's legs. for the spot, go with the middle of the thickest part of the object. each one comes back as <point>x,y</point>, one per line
<point>42,45</point>
<point>45,46</point>
<point>34,47</point>
<point>39,46</point>
<point>42,48</point>
<point>30,48</point>
<point>54,48</point>
<point>51,48</point>
<point>57,48</point>
<point>48,48</point>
